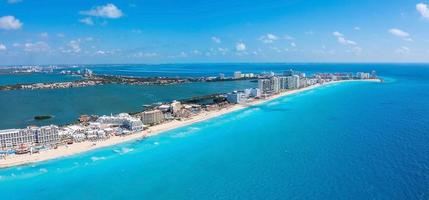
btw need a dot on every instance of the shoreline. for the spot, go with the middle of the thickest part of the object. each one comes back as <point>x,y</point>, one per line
<point>82,147</point>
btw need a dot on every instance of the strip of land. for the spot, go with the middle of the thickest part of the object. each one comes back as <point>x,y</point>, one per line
<point>76,148</point>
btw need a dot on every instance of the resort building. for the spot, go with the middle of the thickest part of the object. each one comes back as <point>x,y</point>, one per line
<point>11,138</point>
<point>252,92</point>
<point>237,75</point>
<point>123,120</point>
<point>236,97</point>
<point>40,136</point>
<point>175,106</point>
<point>362,75</point>
<point>264,85</point>
<point>113,120</point>
<point>152,117</point>
<point>275,84</point>
<point>293,82</point>
<point>249,75</point>
<point>133,124</point>
<point>46,135</point>
<point>165,108</point>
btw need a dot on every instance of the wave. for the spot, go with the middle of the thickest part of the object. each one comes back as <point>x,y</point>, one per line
<point>43,170</point>
<point>187,132</point>
<point>123,150</point>
<point>95,158</point>
<point>273,103</point>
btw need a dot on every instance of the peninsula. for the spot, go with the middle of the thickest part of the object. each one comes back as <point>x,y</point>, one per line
<point>91,79</point>
<point>35,144</point>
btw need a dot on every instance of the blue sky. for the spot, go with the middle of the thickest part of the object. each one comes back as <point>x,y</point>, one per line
<point>167,31</point>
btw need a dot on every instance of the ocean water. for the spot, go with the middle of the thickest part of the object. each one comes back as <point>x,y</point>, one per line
<point>345,141</point>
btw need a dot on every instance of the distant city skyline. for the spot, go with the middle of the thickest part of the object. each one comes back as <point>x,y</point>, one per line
<point>167,31</point>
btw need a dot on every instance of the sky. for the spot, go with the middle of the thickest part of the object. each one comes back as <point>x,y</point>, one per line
<point>191,31</point>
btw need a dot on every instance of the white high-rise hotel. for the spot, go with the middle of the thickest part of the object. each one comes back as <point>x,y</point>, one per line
<point>277,84</point>
<point>41,136</point>
<point>293,82</point>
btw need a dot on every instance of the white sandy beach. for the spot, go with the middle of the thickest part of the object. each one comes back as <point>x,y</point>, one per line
<point>76,148</point>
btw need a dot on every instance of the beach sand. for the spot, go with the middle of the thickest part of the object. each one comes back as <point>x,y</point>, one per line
<point>76,148</point>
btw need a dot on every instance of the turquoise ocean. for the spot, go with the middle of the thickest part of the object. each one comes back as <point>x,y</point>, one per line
<point>358,140</point>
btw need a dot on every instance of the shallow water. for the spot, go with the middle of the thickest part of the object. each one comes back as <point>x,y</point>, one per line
<point>343,141</point>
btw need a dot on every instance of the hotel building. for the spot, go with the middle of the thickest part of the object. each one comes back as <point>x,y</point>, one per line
<point>264,85</point>
<point>40,136</point>
<point>236,97</point>
<point>152,117</point>
<point>46,135</point>
<point>12,138</point>
<point>293,82</point>
<point>237,75</point>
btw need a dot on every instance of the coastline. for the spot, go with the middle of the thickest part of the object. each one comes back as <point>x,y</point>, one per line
<point>77,148</point>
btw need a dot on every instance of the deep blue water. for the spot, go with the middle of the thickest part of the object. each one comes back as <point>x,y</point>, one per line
<point>343,141</point>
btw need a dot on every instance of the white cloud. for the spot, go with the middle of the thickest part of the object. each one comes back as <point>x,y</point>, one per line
<point>401,34</point>
<point>268,38</point>
<point>216,39</point>
<point>357,28</point>
<point>398,32</point>
<point>44,35</point>
<point>342,39</point>
<point>403,50</point>
<point>309,32</point>
<point>14,1</point>
<point>145,54</point>
<point>423,10</point>
<point>10,23</point>
<point>240,46</point>
<point>2,47</point>
<point>353,46</point>
<point>276,49</point>
<point>337,34</point>
<point>36,47</point>
<point>138,31</point>
<point>357,49</point>
<point>288,37</point>
<point>345,41</point>
<point>74,46</point>
<point>87,20</point>
<point>196,52</point>
<point>183,54</point>
<point>223,51</point>
<point>293,44</point>
<point>107,11</point>
<point>100,52</point>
